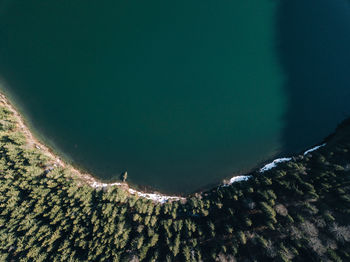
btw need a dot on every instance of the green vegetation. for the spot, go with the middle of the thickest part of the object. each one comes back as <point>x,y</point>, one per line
<point>299,211</point>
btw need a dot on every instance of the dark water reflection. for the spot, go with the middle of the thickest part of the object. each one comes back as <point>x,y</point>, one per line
<point>313,41</point>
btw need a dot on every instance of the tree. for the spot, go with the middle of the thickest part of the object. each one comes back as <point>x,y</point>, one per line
<point>124,176</point>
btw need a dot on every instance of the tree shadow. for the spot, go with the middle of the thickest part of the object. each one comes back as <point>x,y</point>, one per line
<point>313,45</point>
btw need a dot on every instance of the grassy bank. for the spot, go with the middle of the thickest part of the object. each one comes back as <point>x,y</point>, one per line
<point>297,211</point>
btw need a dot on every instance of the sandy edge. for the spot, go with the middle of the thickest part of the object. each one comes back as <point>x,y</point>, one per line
<point>94,183</point>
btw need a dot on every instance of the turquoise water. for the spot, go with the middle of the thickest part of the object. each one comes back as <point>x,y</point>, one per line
<point>180,94</point>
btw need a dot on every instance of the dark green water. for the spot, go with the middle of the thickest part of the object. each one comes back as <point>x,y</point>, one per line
<point>181,94</point>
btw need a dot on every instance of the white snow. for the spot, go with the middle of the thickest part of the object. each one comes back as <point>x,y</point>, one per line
<point>235,179</point>
<point>155,197</point>
<point>274,163</point>
<point>238,179</point>
<point>99,184</point>
<point>313,149</point>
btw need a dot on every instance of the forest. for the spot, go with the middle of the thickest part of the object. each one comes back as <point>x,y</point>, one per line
<point>298,211</point>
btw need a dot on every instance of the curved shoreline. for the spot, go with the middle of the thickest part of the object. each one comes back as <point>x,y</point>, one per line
<point>56,161</point>
<point>95,183</point>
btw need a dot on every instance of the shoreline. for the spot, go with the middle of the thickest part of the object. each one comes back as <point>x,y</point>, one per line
<point>93,182</point>
<point>56,161</point>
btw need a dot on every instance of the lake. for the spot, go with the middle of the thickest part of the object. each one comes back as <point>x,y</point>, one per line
<point>180,94</point>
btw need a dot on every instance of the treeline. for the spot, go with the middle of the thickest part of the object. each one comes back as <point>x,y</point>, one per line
<point>299,211</point>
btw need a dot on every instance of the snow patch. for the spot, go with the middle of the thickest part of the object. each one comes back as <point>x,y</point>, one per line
<point>155,197</point>
<point>152,196</point>
<point>235,179</point>
<point>313,149</point>
<point>274,163</point>
<point>238,179</point>
<point>99,184</point>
